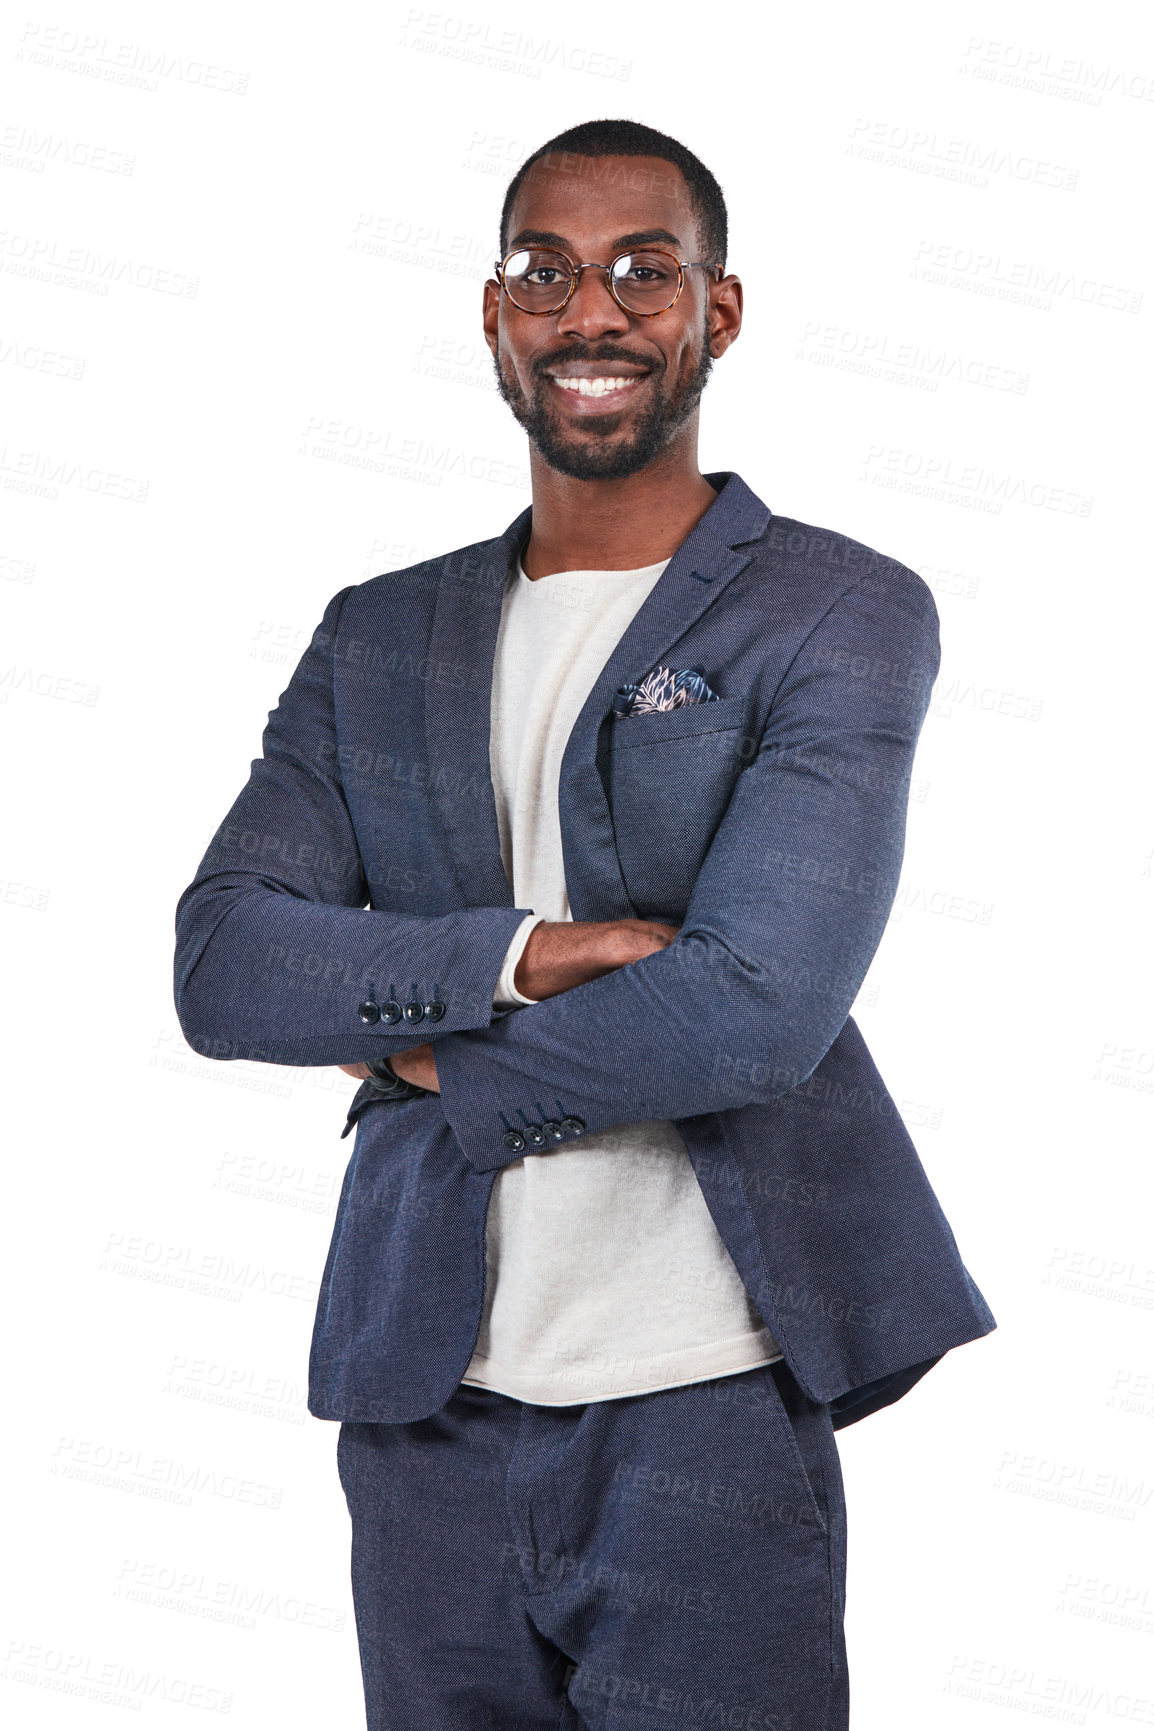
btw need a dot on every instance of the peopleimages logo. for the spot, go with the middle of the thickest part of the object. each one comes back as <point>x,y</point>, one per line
<point>44,474</point>
<point>1022,282</point>
<point>1041,70</point>
<point>875,355</point>
<point>111,1682</point>
<point>50,260</point>
<point>129,63</point>
<point>960,159</point>
<point>476,40</point>
<point>940,477</point>
<point>1026,1690</point>
<point>27,148</point>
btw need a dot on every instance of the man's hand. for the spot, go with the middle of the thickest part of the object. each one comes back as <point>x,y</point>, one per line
<point>560,954</point>
<point>417,1065</point>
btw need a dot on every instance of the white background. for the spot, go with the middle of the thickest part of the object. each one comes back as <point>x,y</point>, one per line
<point>240,244</point>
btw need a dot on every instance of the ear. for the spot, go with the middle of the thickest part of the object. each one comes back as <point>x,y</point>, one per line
<point>725,310</point>
<point>490,312</point>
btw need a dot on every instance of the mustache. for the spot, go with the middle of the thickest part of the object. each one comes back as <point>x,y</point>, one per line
<point>628,356</point>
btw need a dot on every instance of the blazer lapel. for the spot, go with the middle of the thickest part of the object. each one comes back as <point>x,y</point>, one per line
<point>711,556</point>
<point>466,620</point>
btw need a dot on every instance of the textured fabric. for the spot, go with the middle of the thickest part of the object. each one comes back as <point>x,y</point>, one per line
<point>769,825</point>
<point>604,1272</point>
<point>632,1565</point>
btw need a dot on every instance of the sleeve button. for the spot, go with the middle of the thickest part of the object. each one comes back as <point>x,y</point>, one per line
<point>391,1012</point>
<point>435,1010</point>
<point>514,1140</point>
<point>535,1135</point>
<point>575,1126</point>
<point>553,1130</point>
<point>414,1012</point>
<point>369,1011</point>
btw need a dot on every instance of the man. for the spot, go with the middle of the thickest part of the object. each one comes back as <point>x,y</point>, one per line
<point>631,1225</point>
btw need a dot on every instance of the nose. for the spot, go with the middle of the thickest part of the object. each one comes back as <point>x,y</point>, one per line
<point>591,311</point>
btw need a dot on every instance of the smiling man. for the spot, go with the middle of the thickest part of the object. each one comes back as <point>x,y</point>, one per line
<point>575,845</point>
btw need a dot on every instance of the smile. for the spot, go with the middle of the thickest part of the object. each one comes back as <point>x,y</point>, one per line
<point>598,387</point>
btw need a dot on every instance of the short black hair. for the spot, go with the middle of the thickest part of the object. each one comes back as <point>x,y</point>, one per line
<point>631,138</point>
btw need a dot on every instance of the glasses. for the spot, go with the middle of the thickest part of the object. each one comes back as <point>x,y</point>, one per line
<point>541,280</point>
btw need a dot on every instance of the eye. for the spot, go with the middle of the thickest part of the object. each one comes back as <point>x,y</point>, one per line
<point>644,269</point>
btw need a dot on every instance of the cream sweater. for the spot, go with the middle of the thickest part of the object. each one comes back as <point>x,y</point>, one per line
<point>605,1275</point>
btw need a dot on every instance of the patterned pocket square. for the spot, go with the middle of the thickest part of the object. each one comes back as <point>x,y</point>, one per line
<point>664,688</point>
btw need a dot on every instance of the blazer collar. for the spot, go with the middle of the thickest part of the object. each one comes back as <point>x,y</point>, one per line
<point>464,634</point>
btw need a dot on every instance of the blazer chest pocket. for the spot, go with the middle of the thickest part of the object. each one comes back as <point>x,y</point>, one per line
<point>670,779</point>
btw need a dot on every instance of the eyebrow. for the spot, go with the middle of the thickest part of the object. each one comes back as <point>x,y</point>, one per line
<point>643,237</point>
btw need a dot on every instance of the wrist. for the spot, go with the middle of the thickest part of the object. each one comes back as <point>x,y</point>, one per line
<point>510,991</point>
<point>387,1083</point>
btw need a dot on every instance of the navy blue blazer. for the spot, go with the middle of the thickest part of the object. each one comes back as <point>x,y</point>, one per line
<point>361,866</point>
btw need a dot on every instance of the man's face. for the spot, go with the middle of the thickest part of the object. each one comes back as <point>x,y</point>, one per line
<point>593,208</point>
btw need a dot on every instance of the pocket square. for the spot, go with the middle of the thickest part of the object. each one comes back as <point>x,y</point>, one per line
<point>664,688</point>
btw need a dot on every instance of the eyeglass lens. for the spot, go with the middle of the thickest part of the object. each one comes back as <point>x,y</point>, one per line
<point>538,280</point>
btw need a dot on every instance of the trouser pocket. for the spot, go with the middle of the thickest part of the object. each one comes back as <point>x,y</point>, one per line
<point>801,1426</point>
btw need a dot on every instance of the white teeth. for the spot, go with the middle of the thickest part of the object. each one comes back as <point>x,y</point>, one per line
<point>592,387</point>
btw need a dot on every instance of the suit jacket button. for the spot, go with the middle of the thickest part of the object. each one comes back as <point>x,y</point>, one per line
<point>535,1135</point>
<point>553,1130</point>
<point>435,1010</point>
<point>514,1140</point>
<point>414,1012</point>
<point>369,1011</point>
<point>391,1011</point>
<point>575,1126</point>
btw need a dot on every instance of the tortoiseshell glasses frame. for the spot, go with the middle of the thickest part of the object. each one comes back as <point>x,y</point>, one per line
<point>613,271</point>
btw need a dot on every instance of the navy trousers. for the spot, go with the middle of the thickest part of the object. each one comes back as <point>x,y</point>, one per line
<point>665,1560</point>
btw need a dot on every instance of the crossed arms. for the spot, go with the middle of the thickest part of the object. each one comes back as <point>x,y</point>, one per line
<point>557,956</point>
<point>738,1007</point>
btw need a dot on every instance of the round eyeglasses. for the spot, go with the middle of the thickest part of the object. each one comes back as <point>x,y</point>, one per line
<point>541,280</point>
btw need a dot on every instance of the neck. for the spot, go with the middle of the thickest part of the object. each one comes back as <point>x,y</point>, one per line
<point>615,525</point>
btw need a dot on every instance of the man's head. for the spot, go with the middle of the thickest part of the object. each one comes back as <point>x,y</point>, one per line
<point>593,192</point>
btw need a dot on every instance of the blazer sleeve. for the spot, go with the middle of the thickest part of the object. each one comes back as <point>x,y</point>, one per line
<point>275,947</point>
<point>785,916</point>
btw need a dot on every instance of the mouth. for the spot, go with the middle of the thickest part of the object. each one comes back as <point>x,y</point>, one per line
<point>589,391</point>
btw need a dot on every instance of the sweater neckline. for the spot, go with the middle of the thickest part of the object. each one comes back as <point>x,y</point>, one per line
<point>636,571</point>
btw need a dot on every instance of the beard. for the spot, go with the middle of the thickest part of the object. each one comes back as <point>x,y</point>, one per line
<point>602,452</point>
